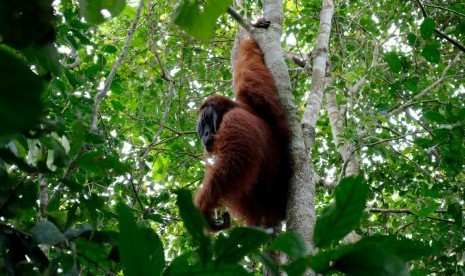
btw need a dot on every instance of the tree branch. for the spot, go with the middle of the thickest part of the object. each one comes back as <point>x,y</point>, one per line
<point>239,19</point>
<point>100,96</point>
<point>408,212</point>
<point>439,32</point>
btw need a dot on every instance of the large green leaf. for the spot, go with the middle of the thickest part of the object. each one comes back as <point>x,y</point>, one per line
<point>140,248</point>
<point>434,117</point>
<point>199,19</point>
<point>431,53</point>
<point>20,95</point>
<point>394,62</point>
<point>371,260</point>
<point>427,28</point>
<point>290,243</point>
<point>92,9</point>
<point>195,223</point>
<point>47,233</point>
<point>337,220</point>
<point>404,248</point>
<point>240,241</point>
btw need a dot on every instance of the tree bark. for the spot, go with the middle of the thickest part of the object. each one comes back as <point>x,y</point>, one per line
<point>300,215</point>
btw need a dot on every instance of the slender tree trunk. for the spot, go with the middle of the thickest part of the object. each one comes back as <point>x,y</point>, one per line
<point>300,216</point>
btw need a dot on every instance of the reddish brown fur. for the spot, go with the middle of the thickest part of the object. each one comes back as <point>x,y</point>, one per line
<point>251,171</point>
<point>254,85</point>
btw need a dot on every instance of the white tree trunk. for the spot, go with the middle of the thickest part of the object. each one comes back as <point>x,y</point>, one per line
<point>300,215</point>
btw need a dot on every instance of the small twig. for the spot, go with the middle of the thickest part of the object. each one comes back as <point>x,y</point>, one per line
<point>153,45</point>
<point>136,193</point>
<point>403,227</point>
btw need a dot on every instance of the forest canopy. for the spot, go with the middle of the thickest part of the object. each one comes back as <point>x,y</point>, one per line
<point>99,155</point>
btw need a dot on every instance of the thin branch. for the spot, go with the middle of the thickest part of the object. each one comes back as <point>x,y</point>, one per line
<point>155,138</point>
<point>136,192</point>
<point>299,62</point>
<point>403,227</point>
<point>445,9</point>
<point>100,96</point>
<point>450,39</point>
<point>242,21</point>
<point>165,76</point>
<point>399,211</point>
<point>153,45</point>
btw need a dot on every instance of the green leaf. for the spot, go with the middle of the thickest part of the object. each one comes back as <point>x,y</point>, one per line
<point>461,115</point>
<point>110,49</point>
<point>404,248</point>
<point>141,250</point>
<point>371,260</point>
<point>77,137</point>
<point>431,53</point>
<point>20,96</point>
<point>425,207</point>
<point>45,59</point>
<point>47,233</point>
<point>60,158</point>
<point>240,242</point>
<point>27,194</point>
<point>291,244</point>
<point>213,268</point>
<point>92,206</point>
<point>455,210</point>
<point>427,28</point>
<point>394,62</point>
<point>320,262</point>
<point>194,222</point>
<point>92,9</point>
<point>297,267</point>
<point>268,262</point>
<point>197,19</point>
<point>180,265</point>
<point>413,40</point>
<point>94,162</point>
<point>337,220</point>
<point>434,117</point>
<point>424,142</point>
<point>411,83</point>
<point>117,105</point>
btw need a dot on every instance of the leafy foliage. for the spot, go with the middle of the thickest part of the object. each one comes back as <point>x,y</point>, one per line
<point>78,202</point>
<point>337,220</point>
<point>199,20</point>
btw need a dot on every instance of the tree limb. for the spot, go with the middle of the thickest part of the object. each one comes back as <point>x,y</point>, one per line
<point>100,96</point>
<point>439,32</point>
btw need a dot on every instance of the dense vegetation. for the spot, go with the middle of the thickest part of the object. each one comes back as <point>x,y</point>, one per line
<point>99,156</point>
